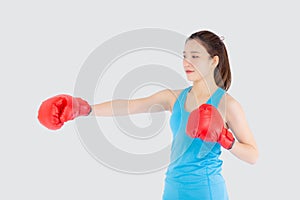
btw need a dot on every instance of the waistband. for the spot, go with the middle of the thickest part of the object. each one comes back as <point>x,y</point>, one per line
<point>196,183</point>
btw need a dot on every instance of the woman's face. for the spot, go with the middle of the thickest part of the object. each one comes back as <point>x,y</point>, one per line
<point>197,62</point>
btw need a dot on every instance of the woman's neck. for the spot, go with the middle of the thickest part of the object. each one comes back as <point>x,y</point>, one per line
<point>203,88</point>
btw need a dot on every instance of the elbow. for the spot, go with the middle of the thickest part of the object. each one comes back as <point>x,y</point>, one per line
<point>254,158</point>
<point>252,162</point>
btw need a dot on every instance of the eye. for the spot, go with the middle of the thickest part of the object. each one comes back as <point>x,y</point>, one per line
<point>184,56</point>
<point>195,56</point>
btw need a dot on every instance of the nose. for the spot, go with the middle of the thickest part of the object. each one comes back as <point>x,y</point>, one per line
<point>186,63</point>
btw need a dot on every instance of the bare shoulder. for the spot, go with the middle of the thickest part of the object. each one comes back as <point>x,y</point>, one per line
<point>233,108</point>
<point>176,93</point>
<point>171,96</point>
<point>166,97</point>
<point>231,102</point>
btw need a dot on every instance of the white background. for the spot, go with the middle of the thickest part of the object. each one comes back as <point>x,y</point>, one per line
<point>42,48</point>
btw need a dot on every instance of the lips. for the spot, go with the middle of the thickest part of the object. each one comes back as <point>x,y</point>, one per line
<point>188,71</point>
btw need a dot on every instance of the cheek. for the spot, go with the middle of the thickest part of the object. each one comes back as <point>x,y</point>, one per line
<point>202,68</point>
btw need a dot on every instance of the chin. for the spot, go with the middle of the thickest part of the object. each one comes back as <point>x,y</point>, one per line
<point>193,79</point>
<point>190,79</point>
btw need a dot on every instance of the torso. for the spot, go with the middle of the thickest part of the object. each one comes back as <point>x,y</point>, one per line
<point>191,103</point>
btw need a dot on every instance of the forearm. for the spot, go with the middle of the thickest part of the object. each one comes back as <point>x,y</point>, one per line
<point>244,152</point>
<point>111,108</point>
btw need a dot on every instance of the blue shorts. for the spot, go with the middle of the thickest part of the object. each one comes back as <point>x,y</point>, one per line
<point>179,191</point>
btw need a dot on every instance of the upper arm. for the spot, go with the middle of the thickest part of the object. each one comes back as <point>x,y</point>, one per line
<point>237,122</point>
<point>159,101</point>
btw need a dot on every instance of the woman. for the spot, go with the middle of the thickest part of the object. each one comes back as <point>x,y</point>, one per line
<point>195,168</point>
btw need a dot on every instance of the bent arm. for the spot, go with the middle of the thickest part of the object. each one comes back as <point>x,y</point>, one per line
<point>157,102</point>
<point>245,147</point>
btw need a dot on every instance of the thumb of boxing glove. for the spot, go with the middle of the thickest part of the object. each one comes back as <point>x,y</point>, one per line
<point>74,107</point>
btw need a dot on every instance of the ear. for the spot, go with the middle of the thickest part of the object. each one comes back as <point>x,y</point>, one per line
<point>215,61</point>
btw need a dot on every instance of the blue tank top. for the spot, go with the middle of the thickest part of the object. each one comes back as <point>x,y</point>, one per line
<point>192,161</point>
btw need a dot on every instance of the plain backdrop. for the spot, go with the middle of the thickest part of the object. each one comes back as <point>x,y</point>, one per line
<point>43,45</point>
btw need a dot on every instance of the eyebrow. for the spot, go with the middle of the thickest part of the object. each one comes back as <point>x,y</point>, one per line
<point>192,52</point>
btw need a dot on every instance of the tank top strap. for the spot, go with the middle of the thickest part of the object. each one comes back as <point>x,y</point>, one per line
<point>213,100</point>
<point>182,96</point>
<point>216,97</point>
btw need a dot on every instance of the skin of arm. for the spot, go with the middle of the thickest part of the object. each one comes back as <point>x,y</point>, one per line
<point>157,102</point>
<point>245,147</point>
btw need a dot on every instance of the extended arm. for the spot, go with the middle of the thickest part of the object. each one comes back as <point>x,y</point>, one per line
<point>55,111</point>
<point>157,102</point>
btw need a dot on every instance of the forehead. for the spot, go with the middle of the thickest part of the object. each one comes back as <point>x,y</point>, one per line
<point>194,45</point>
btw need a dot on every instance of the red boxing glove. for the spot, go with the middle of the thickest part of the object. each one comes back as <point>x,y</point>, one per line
<point>54,111</point>
<point>206,123</point>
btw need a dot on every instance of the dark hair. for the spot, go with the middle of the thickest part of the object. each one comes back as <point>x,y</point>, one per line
<point>215,47</point>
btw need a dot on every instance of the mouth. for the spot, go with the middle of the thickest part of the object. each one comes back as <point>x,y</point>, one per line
<point>189,71</point>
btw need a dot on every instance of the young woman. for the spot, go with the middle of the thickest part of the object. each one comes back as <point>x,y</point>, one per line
<point>202,115</point>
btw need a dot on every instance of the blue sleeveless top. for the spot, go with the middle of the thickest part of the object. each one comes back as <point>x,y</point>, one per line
<point>193,162</point>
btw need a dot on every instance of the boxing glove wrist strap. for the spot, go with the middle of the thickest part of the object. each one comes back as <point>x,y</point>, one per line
<point>226,139</point>
<point>90,111</point>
